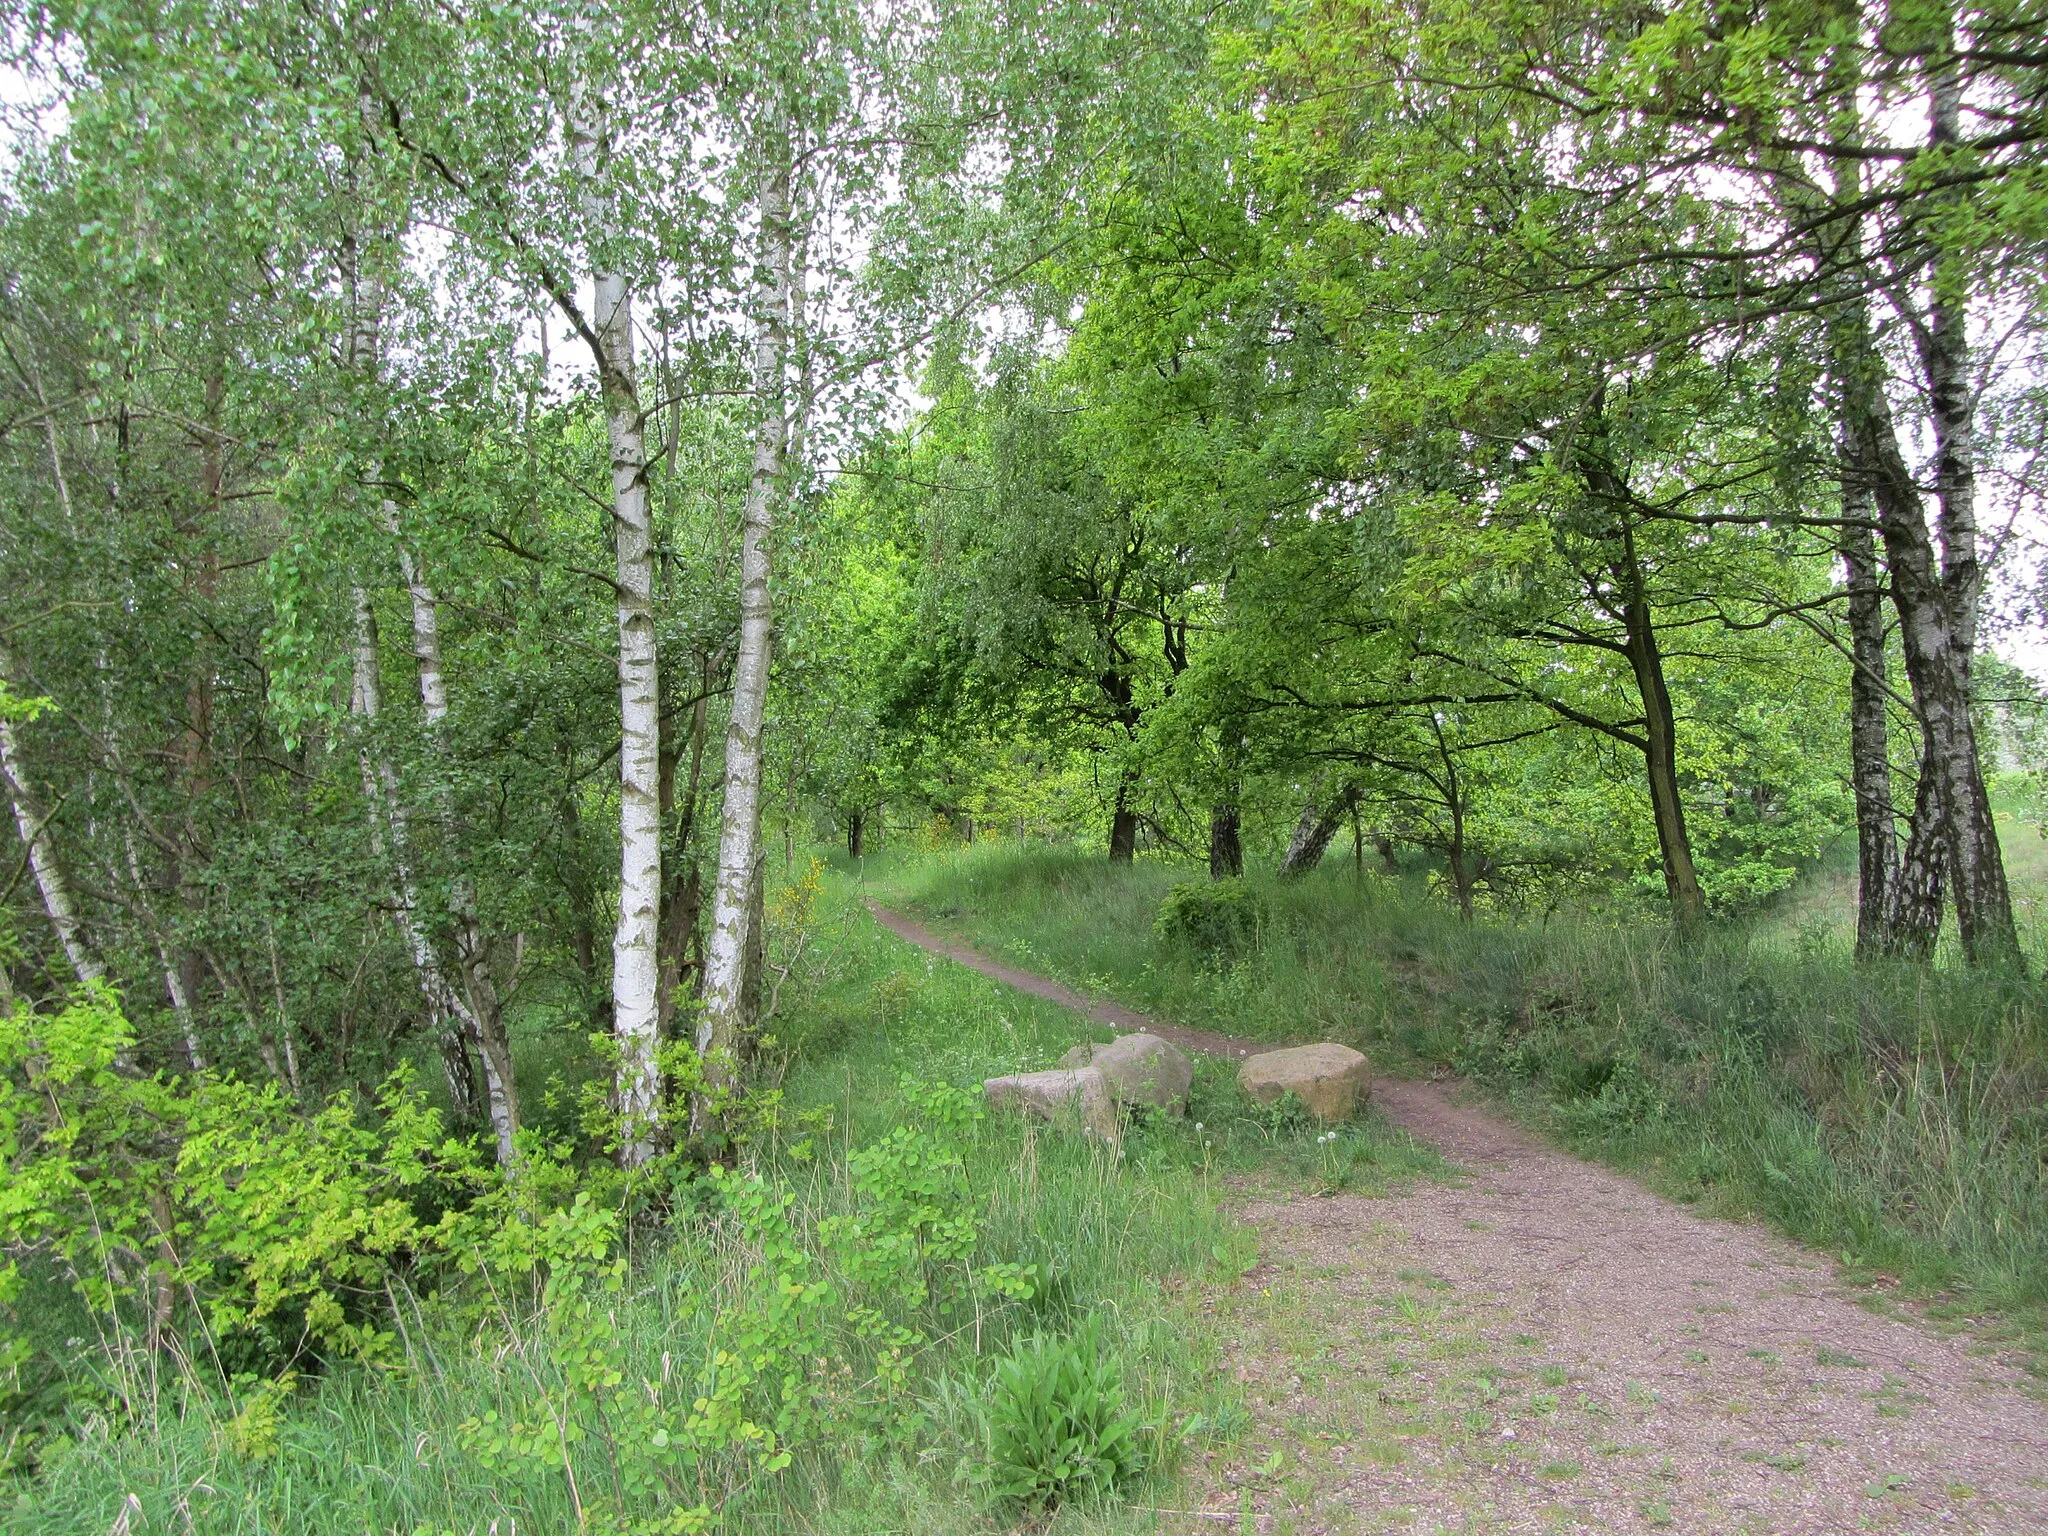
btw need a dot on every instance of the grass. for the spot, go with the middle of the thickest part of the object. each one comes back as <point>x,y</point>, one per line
<point>1128,1241</point>
<point>1892,1115</point>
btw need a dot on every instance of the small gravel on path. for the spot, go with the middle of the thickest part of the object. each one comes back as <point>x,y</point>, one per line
<point>1544,1346</point>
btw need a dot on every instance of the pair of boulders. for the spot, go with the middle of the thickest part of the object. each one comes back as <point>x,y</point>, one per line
<point>1091,1081</point>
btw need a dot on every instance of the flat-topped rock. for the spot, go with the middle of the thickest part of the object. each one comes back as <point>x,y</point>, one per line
<point>1080,1093</point>
<point>1140,1069</point>
<point>1331,1080</point>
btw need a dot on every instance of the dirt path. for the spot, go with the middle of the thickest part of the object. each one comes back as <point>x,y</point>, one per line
<point>1547,1346</point>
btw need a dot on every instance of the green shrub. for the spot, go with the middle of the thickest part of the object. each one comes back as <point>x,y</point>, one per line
<point>1221,918</point>
<point>1058,1426</point>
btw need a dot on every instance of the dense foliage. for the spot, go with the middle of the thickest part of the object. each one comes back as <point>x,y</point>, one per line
<point>482,490</point>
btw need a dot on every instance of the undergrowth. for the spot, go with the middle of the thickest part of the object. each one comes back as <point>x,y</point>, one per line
<point>843,1334</point>
<point>1893,1115</point>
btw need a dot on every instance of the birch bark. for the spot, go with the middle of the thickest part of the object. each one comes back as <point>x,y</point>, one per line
<point>486,1008</point>
<point>636,1013</point>
<point>477,1015</point>
<point>723,1023</point>
<point>34,824</point>
<point>451,1020</point>
<point>1314,830</point>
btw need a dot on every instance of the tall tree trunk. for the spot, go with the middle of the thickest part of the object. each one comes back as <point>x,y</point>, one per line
<point>1226,847</point>
<point>1881,903</point>
<point>481,1014</point>
<point>856,830</point>
<point>480,990</point>
<point>174,973</point>
<point>1660,739</point>
<point>33,822</point>
<point>722,1028</point>
<point>1913,903</point>
<point>1950,398</point>
<point>195,748</point>
<point>1898,909</point>
<point>1314,831</point>
<point>683,900</point>
<point>391,839</point>
<point>636,943</point>
<point>1955,801</point>
<point>1870,772</point>
<point>1123,827</point>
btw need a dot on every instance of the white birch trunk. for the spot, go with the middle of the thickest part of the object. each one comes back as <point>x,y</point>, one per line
<point>174,982</point>
<point>28,813</point>
<point>51,885</point>
<point>475,1014</point>
<point>636,942</point>
<point>380,792</point>
<point>722,1025</point>
<point>501,1094</point>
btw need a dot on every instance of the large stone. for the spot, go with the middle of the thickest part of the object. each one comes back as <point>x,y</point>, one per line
<point>1332,1080</point>
<point>1141,1068</point>
<point>1078,1093</point>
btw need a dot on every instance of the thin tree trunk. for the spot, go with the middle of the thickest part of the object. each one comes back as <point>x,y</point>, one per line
<point>480,990</point>
<point>1946,356</point>
<point>33,822</point>
<point>445,1010</point>
<point>481,1014</point>
<point>1660,739</point>
<point>722,1028</point>
<point>683,902</point>
<point>1454,802</point>
<point>1870,772</point>
<point>636,943</point>
<point>856,829</point>
<point>173,973</point>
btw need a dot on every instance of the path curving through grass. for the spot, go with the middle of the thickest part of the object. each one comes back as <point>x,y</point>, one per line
<point>1546,1345</point>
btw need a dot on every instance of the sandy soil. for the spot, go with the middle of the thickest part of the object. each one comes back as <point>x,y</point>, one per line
<point>1544,1345</point>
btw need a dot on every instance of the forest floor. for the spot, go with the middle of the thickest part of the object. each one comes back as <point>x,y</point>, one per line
<point>1544,1345</point>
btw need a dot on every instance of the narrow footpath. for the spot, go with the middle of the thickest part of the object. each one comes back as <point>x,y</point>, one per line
<point>1547,1346</point>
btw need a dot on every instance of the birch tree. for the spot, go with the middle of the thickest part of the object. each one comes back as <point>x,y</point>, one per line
<point>734,908</point>
<point>636,1009</point>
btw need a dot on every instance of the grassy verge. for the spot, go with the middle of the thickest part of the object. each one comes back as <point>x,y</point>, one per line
<point>1894,1116</point>
<point>896,1386</point>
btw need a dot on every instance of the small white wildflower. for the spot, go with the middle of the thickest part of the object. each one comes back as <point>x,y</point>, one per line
<point>1198,1125</point>
<point>1507,1434</point>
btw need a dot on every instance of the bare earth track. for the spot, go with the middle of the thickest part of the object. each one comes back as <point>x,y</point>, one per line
<point>1547,1346</point>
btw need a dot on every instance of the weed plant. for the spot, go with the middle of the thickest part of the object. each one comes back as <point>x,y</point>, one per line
<point>1894,1115</point>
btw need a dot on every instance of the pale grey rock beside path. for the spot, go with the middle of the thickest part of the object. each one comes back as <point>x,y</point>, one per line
<point>1330,1080</point>
<point>1141,1069</point>
<point>1080,1092</point>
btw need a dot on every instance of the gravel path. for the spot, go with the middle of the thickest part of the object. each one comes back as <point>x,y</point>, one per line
<point>1545,1345</point>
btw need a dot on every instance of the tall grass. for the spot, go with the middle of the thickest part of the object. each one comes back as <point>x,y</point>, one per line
<point>1894,1115</point>
<point>1120,1239</point>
